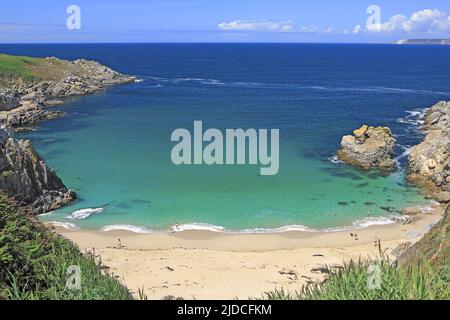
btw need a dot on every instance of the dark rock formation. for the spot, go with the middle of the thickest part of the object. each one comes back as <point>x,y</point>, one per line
<point>368,148</point>
<point>27,179</point>
<point>24,175</point>
<point>429,161</point>
<point>8,100</point>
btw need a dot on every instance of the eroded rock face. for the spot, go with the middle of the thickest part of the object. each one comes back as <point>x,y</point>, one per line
<point>429,161</point>
<point>8,100</point>
<point>368,148</point>
<point>438,117</point>
<point>26,177</point>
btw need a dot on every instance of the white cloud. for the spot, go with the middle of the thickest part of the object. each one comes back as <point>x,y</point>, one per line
<point>424,21</point>
<point>308,29</point>
<point>258,25</point>
<point>357,29</point>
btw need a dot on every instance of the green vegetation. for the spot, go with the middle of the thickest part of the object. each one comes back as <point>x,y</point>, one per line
<point>12,67</point>
<point>421,273</point>
<point>34,263</point>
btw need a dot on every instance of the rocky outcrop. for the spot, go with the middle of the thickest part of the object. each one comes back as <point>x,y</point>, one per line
<point>24,103</point>
<point>26,178</point>
<point>24,175</point>
<point>429,161</point>
<point>368,148</point>
<point>438,117</point>
<point>8,100</point>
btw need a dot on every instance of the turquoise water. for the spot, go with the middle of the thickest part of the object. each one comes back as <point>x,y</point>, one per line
<point>114,146</point>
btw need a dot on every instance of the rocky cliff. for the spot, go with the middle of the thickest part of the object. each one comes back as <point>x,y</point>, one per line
<point>24,98</point>
<point>26,177</point>
<point>24,102</point>
<point>429,161</point>
<point>368,148</point>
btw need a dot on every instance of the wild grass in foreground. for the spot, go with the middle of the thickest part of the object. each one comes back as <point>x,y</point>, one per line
<point>420,282</point>
<point>34,263</point>
<point>422,272</point>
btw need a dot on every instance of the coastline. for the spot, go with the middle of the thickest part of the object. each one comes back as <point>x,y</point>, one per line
<point>219,264</point>
<point>216,265</point>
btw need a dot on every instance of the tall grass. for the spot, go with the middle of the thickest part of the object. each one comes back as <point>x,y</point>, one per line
<point>34,263</point>
<point>422,272</point>
<point>423,281</point>
<point>13,67</point>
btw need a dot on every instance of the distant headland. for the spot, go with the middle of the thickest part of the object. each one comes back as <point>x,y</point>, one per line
<point>424,41</point>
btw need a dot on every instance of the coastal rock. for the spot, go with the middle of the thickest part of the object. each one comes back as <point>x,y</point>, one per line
<point>25,177</point>
<point>29,112</point>
<point>8,100</point>
<point>442,197</point>
<point>368,148</point>
<point>438,117</point>
<point>429,161</point>
<point>23,103</point>
<point>411,211</point>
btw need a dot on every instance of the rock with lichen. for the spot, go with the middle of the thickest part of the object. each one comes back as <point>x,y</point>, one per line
<point>368,148</point>
<point>429,161</point>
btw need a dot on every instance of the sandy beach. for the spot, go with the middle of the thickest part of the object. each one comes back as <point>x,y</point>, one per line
<point>198,264</point>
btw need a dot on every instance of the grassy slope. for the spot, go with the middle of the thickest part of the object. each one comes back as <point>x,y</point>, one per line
<point>421,273</point>
<point>12,67</point>
<point>34,262</point>
<point>29,69</point>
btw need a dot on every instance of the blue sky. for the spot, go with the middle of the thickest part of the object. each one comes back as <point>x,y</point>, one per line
<point>44,21</point>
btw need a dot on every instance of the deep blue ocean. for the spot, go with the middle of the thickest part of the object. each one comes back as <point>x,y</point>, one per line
<point>114,146</point>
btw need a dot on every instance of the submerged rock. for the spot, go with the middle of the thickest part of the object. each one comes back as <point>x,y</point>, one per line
<point>368,148</point>
<point>26,178</point>
<point>429,161</point>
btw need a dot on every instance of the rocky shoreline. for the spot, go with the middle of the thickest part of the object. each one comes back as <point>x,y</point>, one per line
<point>428,162</point>
<point>24,175</point>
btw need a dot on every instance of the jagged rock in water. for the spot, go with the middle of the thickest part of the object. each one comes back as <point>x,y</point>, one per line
<point>429,161</point>
<point>368,148</point>
<point>25,177</point>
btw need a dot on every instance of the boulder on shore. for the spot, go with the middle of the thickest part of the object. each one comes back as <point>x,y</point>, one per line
<point>368,148</point>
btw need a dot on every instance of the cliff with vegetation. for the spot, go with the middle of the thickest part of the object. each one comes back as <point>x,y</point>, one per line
<point>34,263</point>
<point>28,86</point>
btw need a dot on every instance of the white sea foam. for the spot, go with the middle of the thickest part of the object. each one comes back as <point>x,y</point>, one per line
<point>293,227</point>
<point>335,159</point>
<point>46,214</point>
<point>293,86</point>
<point>85,213</point>
<point>358,224</point>
<point>413,117</point>
<point>133,228</point>
<point>65,225</point>
<point>404,154</point>
<point>371,221</point>
<point>196,226</point>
